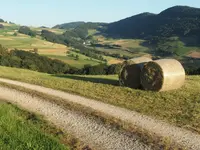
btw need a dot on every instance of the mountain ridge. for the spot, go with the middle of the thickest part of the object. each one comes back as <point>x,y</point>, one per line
<point>177,20</point>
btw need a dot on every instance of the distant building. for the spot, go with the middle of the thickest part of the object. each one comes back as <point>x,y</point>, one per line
<point>88,43</point>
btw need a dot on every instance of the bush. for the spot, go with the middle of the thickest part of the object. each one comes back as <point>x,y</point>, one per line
<point>192,71</point>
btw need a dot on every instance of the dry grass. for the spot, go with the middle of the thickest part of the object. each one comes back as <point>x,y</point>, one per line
<point>194,54</point>
<point>115,61</point>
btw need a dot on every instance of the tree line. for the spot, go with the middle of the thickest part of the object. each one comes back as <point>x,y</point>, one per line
<point>33,61</point>
<point>26,30</point>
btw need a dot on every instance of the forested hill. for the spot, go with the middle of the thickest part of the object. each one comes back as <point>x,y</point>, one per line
<point>73,25</point>
<point>179,21</point>
<point>70,25</point>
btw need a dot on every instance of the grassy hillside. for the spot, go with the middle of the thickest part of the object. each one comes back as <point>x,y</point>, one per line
<point>21,41</point>
<point>52,50</point>
<point>179,21</point>
<point>180,107</point>
<point>22,130</point>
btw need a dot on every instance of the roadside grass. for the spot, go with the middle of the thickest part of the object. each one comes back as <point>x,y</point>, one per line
<point>23,130</point>
<point>180,107</point>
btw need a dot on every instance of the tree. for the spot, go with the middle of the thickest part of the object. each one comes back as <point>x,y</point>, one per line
<point>15,34</point>
<point>77,57</point>
<point>1,20</point>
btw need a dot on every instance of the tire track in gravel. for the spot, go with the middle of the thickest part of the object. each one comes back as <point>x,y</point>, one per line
<point>88,130</point>
<point>183,137</point>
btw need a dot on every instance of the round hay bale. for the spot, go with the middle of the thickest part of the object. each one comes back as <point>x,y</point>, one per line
<point>162,75</point>
<point>130,73</point>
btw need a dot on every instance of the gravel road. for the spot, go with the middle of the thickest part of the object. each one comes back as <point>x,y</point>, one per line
<point>89,131</point>
<point>181,136</point>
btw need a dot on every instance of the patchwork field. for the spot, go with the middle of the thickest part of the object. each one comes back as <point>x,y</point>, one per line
<point>128,47</point>
<point>45,48</point>
<point>180,107</point>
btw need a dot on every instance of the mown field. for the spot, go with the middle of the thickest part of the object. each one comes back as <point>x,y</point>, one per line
<point>180,107</point>
<point>23,130</point>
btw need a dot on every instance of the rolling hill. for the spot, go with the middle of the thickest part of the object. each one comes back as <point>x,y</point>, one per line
<point>172,33</point>
<point>182,21</point>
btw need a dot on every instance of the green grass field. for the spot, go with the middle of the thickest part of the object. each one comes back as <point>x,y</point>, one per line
<point>22,130</point>
<point>180,107</point>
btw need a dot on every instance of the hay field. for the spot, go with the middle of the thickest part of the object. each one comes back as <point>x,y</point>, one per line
<point>23,130</point>
<point>194,54</point>
<point>180,107</point>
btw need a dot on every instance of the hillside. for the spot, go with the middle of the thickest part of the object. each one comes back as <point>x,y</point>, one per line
<point>30,38</point>
<point>73,25</point>
<point>176,21</point>
<point>70,25</point>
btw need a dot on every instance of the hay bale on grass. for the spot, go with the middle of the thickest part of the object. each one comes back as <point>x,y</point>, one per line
<point>130,73</point>
<point>162,75</point>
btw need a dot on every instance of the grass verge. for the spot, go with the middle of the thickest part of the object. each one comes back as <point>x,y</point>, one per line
<point>24,130</point>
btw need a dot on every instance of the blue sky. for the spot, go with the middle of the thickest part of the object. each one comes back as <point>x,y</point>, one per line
<point>52,12</point>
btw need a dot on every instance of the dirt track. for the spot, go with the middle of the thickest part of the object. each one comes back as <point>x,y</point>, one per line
<point>86,129</point>
<point>183,137</point>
